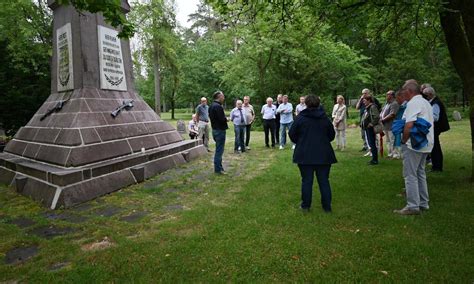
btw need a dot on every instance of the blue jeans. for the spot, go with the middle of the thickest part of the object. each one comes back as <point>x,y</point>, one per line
<point>372,143</point>
<point>283,128</point>
<point>307,177</point>
<point>239,137</point>
<point>219,138</point>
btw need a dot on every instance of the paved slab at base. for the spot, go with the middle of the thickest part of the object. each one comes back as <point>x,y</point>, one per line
<point>57,187</point>
<point>19,255</point>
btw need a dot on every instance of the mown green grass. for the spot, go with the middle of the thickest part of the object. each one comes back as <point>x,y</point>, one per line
<point>245,227</point>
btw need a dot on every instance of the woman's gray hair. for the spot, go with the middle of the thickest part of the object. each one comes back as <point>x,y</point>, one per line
<point>429,90</point>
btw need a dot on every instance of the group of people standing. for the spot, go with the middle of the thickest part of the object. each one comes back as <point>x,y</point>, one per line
<point>377,121</point>
<point>278,119</point>
<point>411,120</point>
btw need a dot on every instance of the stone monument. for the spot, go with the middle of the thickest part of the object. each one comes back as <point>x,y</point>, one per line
<point>94,134</point>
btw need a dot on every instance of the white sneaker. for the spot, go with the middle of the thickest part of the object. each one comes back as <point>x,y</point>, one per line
<point>293,147</point>
<point>247,148</point>
<point>368,154</point>
<point>281,147</point>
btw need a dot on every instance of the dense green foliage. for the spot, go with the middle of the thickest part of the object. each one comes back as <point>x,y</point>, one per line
<point>256,49</point>
<point>249,48</point>
<point>25,48</point>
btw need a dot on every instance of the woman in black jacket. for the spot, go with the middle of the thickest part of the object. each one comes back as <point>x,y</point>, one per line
<point>312,132</point>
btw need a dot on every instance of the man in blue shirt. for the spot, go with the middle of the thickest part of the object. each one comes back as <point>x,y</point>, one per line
<point>286,120</point>
<point>238,117</point>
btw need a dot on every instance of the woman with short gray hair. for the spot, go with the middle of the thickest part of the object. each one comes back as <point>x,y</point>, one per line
<point>339,122</point>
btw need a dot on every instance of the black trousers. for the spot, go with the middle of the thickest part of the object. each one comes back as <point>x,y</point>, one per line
<point>371,137</point>
<point>437,154</point>
<point>247,134</point>
<point>269,125</point>
<point>277,131</point>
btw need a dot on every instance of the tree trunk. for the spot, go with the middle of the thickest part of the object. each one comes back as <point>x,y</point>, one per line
<point>157,76</point>
<point>462,56</point>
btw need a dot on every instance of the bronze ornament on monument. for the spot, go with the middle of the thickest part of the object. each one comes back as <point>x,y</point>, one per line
<point>94,134</point>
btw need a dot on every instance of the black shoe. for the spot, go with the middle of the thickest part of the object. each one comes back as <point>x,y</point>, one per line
<point>267,146</point>
<point>304,210</point>
<point>373,163</point>
<point>363,149</point>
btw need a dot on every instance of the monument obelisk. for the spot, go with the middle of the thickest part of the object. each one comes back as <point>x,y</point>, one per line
<point>94,134</point>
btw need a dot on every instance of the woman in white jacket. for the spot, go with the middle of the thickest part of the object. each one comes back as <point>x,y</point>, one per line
<point>339,122</point>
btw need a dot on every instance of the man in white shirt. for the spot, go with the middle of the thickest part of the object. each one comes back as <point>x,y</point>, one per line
<point>269,121</point>
<point>414,160</point>
<point>301,106</point>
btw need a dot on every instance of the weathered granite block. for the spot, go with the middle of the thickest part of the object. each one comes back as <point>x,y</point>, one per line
<point>60,120</point>
<point>145,116</point>
<point>113,132</point>
<point>147,142</point>
<point>15,147</point>
<point>138,173</point>
<point>97,152</point>
<point>39,191</point>
<point>31,150</point>
<point>158,166</point>
<point>53,154</point>
<point>89,135</point>
<point>124,117</point>
<point>90,93</point>
<point>26,133</point>
<point>69,137</point>
<point>90,189</point>
<point>64,178</point>
<point>89,119</point>
<point>196,152</point>
<point>116,165</point>
<point>28,169</point>
<point>103,105</point>
<point>168,138</point>
<point>47,135</point>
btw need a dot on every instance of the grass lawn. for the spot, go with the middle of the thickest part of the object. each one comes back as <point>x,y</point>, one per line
<point>189,225</point>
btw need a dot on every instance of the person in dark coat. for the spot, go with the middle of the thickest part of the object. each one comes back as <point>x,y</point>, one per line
<point>312,132</point>
<point>441,124</point>
<point>219,127</point>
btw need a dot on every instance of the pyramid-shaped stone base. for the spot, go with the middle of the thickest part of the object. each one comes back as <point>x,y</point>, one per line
<point>81,152</point>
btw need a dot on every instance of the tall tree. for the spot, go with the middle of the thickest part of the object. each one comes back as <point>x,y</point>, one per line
<point>388,20</point>
<point>25,45</point>
<point>155,22</point>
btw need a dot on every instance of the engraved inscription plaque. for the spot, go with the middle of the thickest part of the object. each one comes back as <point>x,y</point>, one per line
<point>64,55</point>
<point>112,74</point>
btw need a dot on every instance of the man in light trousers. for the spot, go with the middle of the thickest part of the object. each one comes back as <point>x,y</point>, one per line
<point>414,159</point>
